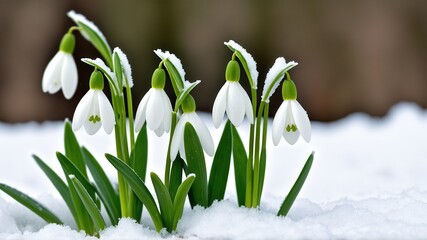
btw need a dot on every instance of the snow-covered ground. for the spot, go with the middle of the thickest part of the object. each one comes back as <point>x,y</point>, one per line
<point>368,180</point>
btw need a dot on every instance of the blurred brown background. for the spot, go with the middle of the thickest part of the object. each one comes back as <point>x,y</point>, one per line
<point>354,55</point>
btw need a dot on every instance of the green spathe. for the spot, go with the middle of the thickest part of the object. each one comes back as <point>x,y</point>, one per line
<point>232,72</point>
<point>289,90</point>
<point>188,105</point>
<point>96,81</point>
<point>158,79</point>
<point>67,43</point>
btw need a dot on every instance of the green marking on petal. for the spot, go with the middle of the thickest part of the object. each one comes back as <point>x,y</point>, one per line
<point>291,128</point>
<point>94,118</point>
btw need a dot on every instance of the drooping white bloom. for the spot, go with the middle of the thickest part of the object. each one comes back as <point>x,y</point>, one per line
<point>275,76</point>
<point>155,108</point>
<point>233,100</point>
<point>94,111</point>
<point>202,131</point>
<point>291,121</point>
<point>61,72</point>
<point>127,70</point>
<point>248,58</point>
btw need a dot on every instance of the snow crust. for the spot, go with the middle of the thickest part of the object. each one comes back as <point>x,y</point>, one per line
<point>248,58</point>
<point>278,66</point>
<point>368,181</point>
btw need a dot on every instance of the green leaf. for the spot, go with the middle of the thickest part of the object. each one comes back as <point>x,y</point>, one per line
<point>90,205</point>
<point>262,163</point>
<point>184,93</point>
<point>293,193</point>
<point>165,201</point>
<point>58,183</point>
<point>118,69</point>
<point>179,201</point>
<point>220,166</point>
<point>31,204</point>
<point>240,160</point>
<point>176,175</point>
<point>72,148</point>
<point>177,81</point>
<point>196,164</point>
<point>138,162</point>
<point>105,189</point>
<point>139,188</point>
<point>98,42</point>
<point>69,168</point>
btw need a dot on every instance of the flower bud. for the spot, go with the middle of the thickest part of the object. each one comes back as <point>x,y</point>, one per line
<point>232,72</point>
<point>188,105</point>
<point>289,90</point>
<point>158,79</point>
<point>67,43</point>
<point>96,81</point>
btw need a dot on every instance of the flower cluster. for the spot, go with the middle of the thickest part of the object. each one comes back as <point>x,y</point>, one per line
<point>189,137</point>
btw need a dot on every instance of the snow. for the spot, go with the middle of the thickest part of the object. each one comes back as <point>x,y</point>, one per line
<point>270,84</point>
<point>368,181</point>
<point>248,58</point>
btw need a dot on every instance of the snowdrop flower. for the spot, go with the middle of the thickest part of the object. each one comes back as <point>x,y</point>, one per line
<point>94,109</point>
<point>232,99</point>
<point>291,119</point>
<point>155,107</point>
<point>61,71</point>
<point>189,115</point>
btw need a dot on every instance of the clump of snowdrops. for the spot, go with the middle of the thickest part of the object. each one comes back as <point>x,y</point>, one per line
<point>189,138</point>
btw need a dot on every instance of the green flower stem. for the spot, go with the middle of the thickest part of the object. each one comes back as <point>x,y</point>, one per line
<point>74,28</point>
<point>130,116</point>
<point>249,168</point>
<point>168,158</point>
<point>256,179</point>
<point>263,148</point>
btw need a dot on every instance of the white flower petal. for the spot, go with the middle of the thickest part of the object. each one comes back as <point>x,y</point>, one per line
<point>159,131</point>
<point>167,118</point>
<point>182,151</point>
<point>279,122</point>
<point>301,120</point>
<point>141,111</point>
<point>154,112</point>
<point>203,133</point>
<point>69,76</point>
<point>248,104</point>
<point>82,110</point>
<point>107,113</point>
<point>235,104</point>
<point>92,127</point>
<point>219,106</point>
<point>178,136</point>
<point>291,137</point>
<point>51,76</point>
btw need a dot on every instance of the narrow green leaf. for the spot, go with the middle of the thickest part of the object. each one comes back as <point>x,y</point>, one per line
<point>196,164</point>
<point>293,193</point>
<point>138,186</point>
<point>118,69</point>
<point>69,168</point>
<point>58,183</point>
<point>220,166</point>
<point>90,205</point>
<point>72,148</point>
<point>31,204</point>
<point>184,93</point>
<point>179,201</point>
<point>262,163</point>
<point>177,82</point>
<point>105,189</point>
<point>176,176</point>
<point>139,159</point>
<point>240,160</point>
<point>98,42</point>
<point>165,201</point>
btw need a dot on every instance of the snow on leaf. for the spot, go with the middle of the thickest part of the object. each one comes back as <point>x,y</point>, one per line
<point>173,59</point>
<point>77,17</point>
<point>126,66</point>
<point>275,76</point>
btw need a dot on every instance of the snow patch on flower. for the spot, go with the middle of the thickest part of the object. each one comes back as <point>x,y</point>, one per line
<point>98,63</point>
<point>77,17</point>
<point>126,66</point>
<point>174,60</point>
<point>270,84</point>
<point>248,58</point>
